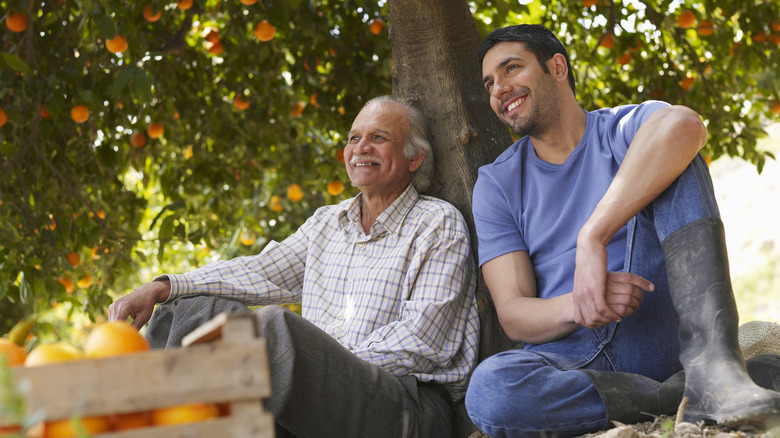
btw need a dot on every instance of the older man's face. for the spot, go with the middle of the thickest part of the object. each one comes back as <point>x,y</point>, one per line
<point>374,151</point>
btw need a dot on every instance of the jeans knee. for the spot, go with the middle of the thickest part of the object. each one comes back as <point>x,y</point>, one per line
<point>487,399</point>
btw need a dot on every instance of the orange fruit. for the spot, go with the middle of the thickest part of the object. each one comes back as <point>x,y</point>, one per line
<point>275,204</point>
<point>118,44</point>
<point>240,103</point>
<point>247,239</point>
<point>624,59</point>
<point>183,4</point>
<point>297,109</point>
<point>130,420</point>
<point>181,414</point>
<point>79,113</point>
<point>608,41</point>
<point>14,431</point>
<point>55,352</point>
<point>687,83</point>
<point>14,354</point>
<point>3,118</point>
<point>734,47</point>
<point>45,112</point>
<point>589,3</point>
<point>335,187</point>
<point>150,16</point>
<point>155,130</point>
<point>759,37</point>
<point>74,258</point>
<point>705,28</point>
<point>210,34</point>
<point>377,25</point>
<point>775,38</point>
<point>340,155</point>
<point>294,192</point>
<point>114,338</point>
<point>775,107</point>
<point>248,2</point>
<point>16,22</point>
<point>686,19</point>
<point>214,48</point>
<point>85,281</point>
<point>65,429</point>
<point>265,31</point>
<point>67,283</point>
<point>138,139</point>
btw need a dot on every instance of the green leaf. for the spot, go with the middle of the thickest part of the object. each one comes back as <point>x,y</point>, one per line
<point>121,81</point>
<point>25,289</point>
<point>105,26</point>
<point>166,228</point>
<point>170,207</point>
<point>142,85</point>
<point>15,63</point>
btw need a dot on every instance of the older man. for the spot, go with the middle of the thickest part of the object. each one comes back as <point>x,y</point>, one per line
<point>386,280</point>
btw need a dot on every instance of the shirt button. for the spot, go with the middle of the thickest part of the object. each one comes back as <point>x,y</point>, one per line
<point>340,317</point>
<point>349,280</point>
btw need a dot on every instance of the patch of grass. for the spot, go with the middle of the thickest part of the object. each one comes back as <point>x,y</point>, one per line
<point>756,292</point>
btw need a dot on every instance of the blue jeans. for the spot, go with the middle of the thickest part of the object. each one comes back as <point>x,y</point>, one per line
<point>537,389</point>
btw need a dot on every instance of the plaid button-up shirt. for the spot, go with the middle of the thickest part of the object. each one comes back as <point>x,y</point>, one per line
<point>401,297</point>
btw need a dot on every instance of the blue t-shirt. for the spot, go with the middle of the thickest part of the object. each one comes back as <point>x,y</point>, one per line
<point>522,203</point>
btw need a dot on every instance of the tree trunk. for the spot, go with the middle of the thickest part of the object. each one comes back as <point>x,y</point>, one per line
<point>434,46</point>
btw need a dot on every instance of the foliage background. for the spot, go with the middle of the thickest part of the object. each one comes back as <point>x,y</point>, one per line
<point>204,190</point>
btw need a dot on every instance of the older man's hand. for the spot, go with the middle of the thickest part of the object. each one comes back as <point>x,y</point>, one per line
<point>140,303</point>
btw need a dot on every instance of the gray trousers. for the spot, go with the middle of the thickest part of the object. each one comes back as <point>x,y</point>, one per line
<point>319,388</point>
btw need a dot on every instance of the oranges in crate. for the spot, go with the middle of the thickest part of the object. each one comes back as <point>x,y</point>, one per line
<point>66,429</point>
<point>14,354</point>
<point>188,413</point>
<point>55,352</point>
<point>114,338</point>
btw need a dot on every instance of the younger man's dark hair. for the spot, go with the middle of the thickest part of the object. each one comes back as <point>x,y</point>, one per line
<point>538,40</point>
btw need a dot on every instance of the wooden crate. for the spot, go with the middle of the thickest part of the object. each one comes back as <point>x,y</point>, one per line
<point>222,362</point>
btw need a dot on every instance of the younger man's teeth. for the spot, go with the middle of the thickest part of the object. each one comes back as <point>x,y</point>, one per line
<point>515,104</point>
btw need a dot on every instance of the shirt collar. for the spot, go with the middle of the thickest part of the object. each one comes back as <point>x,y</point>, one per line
<point>390,219</point>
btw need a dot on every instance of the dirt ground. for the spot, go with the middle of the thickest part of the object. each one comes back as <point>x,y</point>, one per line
<point>666,427</point>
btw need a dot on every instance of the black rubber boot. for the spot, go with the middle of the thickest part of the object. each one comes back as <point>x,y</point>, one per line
<point>633,398</point>
<point>764,370</point>
<point>717,383</point>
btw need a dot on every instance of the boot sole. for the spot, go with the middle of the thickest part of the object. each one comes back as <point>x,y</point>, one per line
<point>756,416</point>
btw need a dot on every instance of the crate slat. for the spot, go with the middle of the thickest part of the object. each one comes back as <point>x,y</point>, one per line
<point>223,362</point>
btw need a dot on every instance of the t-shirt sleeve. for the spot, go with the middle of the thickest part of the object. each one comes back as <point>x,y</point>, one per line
<point>497,231</point>
<point>625,123</point>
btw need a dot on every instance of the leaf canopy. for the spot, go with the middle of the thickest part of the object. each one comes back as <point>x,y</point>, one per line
<point>211,180</point>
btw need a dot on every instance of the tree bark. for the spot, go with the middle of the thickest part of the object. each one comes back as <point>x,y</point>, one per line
<point>434,45</point>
